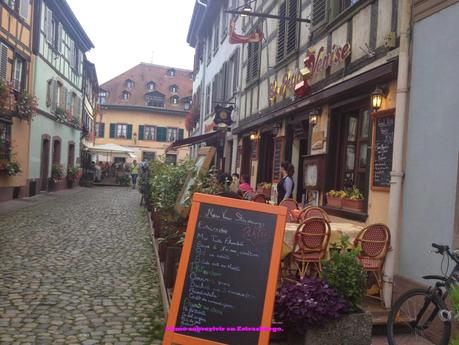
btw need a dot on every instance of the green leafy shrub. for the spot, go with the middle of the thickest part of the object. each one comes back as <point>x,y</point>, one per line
<point>454,298</point>
<point>345,274</point>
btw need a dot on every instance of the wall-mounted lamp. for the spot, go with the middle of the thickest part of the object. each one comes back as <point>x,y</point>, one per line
<point>276,128</point>
<point>254,136</point>
<point>314,116</point>
<point>246,9</point>
<point>376,98</point>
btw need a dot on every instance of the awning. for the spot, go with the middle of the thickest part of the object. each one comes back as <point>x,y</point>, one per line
<point>195,140</point>
<point>111,148</point>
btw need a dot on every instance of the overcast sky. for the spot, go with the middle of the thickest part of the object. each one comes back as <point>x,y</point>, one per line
<point>126,33</point>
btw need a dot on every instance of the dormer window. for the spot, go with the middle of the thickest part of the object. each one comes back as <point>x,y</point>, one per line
<point>103,97</point>
<point>171,72</point>
<point>151,86</point>
<point>154,99</point>
<point>125,95</point>
<point>129,84</point>
<point>174,88</point>
<point>174,99</point>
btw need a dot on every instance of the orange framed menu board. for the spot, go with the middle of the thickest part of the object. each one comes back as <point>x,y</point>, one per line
<point>227,277</point>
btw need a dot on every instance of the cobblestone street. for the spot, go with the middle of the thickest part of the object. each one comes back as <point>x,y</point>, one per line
<point>79,269</point>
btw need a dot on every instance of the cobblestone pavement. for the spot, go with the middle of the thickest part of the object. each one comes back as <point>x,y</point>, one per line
<point>79,269</point>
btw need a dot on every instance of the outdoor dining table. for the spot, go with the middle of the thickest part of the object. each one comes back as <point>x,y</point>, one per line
<point>337,230</point>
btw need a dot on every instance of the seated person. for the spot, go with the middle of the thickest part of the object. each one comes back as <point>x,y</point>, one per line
<point>245,184</point>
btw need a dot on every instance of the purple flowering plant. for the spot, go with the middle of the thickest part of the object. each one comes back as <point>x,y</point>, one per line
<point>309,302</point>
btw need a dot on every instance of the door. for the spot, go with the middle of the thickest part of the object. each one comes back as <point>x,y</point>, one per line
<point>265,158</point>
<point>246,156</point>
<point>300,183</point>
<point>44,169</point>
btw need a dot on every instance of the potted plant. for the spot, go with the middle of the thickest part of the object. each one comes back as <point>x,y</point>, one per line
<point>334,198</point>
<point>11,168</point>
<point>305,305</point>
<point>61,115</point>
<point>57,173</point>
<point>26,106</point>
<point>72,174</point>
<point>354,200</point>
<point>5,99</point>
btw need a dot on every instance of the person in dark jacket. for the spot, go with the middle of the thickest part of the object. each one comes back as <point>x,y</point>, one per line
<point>286,185</point>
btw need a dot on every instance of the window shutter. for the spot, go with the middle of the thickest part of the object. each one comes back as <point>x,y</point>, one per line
<point>319,13</point>
<point>72,54</point>
<point>24,9</point>
<point>141,132</point>
<point>112,130</point>
<point>59,38</point>
<point>54,95</point>
<point>49,25</point>
<point>78,109</point>
<point>292,27</point>
<point>3,61</point>
<point>180,133</point>
<point>281,34</point>
<point>101,130</point>
<point>61,97</point>
<point>161,134</point>
<point>129,131</point>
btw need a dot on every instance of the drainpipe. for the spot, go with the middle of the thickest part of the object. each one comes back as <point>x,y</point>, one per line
<point>401,115</point>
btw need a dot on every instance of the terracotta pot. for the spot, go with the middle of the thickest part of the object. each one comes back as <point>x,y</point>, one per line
<point>334,201</point>
<point>353,205</point>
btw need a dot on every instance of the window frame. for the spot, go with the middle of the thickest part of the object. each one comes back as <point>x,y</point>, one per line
<point>174,99</point>
<point>125,93</point>
<point>153,128</point>
<point>118,125</point>
<point>5,139</point>
<point>18,84</point>
<point>169,132</point>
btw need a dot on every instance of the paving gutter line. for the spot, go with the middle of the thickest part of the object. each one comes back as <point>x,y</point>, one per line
<point>160,271</point>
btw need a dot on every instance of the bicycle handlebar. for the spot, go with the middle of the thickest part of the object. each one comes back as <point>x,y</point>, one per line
<point>441,249</point>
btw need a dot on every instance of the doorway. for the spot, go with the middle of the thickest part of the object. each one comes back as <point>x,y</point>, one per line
<point>265,158</point>
<point>44,169</point>
<point>246,156</point>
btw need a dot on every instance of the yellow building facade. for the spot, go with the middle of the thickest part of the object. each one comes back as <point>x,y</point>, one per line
<point>147,132</point>
<point>16,67</point>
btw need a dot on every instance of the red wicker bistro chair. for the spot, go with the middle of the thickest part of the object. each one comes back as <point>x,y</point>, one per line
<point>375,242</point>
<point>313,211</point>
<point>291,204</point>
<point>310,247</point>
<point>261,198</point>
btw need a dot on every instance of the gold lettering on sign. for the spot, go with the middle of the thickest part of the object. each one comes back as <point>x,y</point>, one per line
<point>286,86</point>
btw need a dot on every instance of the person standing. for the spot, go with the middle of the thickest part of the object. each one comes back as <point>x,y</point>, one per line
<point>234,183</point>
<point>286,185</point>
<point>134,173</point>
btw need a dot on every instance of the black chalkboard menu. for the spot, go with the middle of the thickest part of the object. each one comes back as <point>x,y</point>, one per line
<point>383,139</point>
<point>231,266</point>
<point>277,159</point>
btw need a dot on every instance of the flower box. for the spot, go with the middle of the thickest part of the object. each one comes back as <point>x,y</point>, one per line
<point>353,205</point>
<point>352,329</point>
<point>334,201</point>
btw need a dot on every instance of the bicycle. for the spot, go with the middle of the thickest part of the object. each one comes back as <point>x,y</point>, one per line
<point>423,312</point>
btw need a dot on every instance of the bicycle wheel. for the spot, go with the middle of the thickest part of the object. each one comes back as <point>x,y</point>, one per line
<point>415,320</point>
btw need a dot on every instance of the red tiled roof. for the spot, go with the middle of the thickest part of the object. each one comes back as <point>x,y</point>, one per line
<point>141,75</point>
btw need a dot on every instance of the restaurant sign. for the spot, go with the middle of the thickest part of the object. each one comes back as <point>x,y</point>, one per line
<point>314,62</point>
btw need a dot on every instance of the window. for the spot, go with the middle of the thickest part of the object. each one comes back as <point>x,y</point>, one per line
<point>234,65</point>
<point>327,10</point>
<point>3,60</point>
<point>171,72</point>
<point>5,140</point>
<point>209,49</point>
<point>100,129</point>
<point>18,73</point>
<point>102,97</point>
<point>149,133</point>
<point>224,23</point>
<point>171,159</point>
<point>171,134</point>
<point>125,95</point>
<point>174,99</point>
<point>214,94</point>
<point>155,99</point>
<point>174,88</point>
<point>10,3</point>
<point>148,156</point>
<point>207,105</point>
<point>253,61</point>
<point>24,9</point>
<point>151,86</point>
<point>121,131</point>
<point>56,151</point>
<point>71,155</point>
<point>287,32</point>
<point>129,84</point>
<point>216,34</point>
